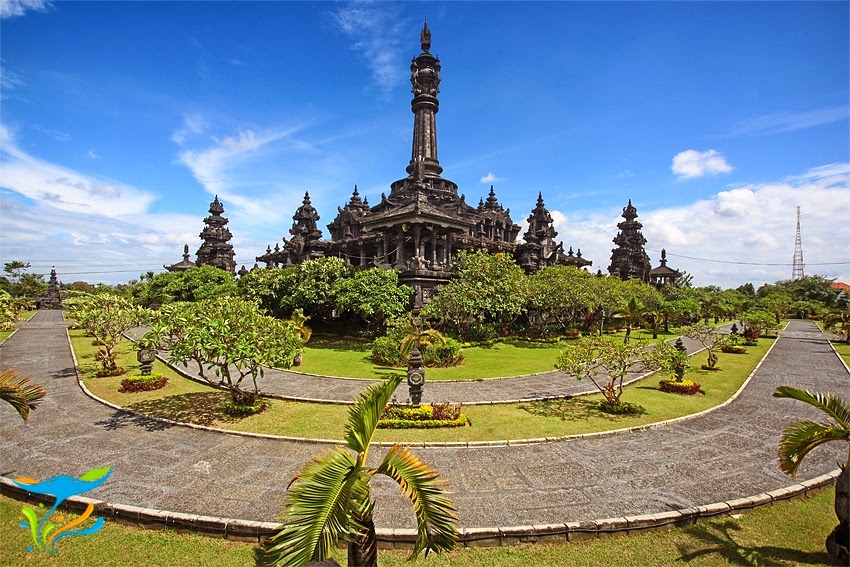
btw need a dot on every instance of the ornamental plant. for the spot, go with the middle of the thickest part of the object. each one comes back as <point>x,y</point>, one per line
<point>709,338</point>
<point>143,383</point>
<point>330,498</point>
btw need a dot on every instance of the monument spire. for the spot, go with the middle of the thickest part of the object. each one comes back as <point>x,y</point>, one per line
<point>425,78</point>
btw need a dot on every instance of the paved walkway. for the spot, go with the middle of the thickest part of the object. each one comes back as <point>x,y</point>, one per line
<point>725,454</point>
<point>544,385</point>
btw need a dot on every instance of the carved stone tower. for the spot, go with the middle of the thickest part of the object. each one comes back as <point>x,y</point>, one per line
<point>216,249</point>
<point>306,242</point>
<point>540,250</point>
<point>628,259</point>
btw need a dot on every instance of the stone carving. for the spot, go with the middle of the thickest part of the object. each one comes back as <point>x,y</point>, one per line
<point>216,249</point>
<point>628,259</point>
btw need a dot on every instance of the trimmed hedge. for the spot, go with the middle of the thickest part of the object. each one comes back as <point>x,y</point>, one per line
<point>733,349</point>
<point>143,383</point>
<point>426,416</point>
<point>240,410</point>
<point>686,387</point>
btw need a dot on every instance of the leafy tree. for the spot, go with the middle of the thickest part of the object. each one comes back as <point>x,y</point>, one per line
<point>372,295</point>
<point>799,439</point>
<point>709,338</point>
<point>232,337</point>
<point>330,497</point>
<point>560,295</point>
<point>195,284</point>
<point>838,321</point>
<point>23,286</point>
<point>267,286</point>
<point>632,314</point>
<point>756,322</point>
<point>602,362</point>
<point>106,317</point>
<point>20,394</point>
<point>314,287</point>
<point>489,288</point>
<point>775,303</point>
<point>8,311</point>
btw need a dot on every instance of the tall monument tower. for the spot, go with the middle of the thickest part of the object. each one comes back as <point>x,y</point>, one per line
<point>797,269</point>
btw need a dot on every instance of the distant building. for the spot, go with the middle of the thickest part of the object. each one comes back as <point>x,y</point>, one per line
<point>184,264</point>
<point>663,275</point>
<point>423,222</point>
<point>629,260</point>
<point>51,299</point>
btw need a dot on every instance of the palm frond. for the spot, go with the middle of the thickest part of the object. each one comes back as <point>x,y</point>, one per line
<point>436,517</point>
<point>364,414</point>
<point>315,512</point>
<point>830,404</point>
<point>21,394</point>
<point>801,438</point>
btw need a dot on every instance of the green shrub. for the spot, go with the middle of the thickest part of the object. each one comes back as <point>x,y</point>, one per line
<point>426,416</point>
<point>622,408</point>
<point>686,387</point>
<point>143,383</point>
<point>241,410</point>
<point>733,349</point>
<point>385,349</point>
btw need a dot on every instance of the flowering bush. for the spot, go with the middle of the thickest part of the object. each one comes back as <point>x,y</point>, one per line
<point>426,416</point>
<point>143,383</point>
<point>686,387</point>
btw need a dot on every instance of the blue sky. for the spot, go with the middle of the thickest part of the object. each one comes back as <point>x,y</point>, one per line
<point>121,120</point>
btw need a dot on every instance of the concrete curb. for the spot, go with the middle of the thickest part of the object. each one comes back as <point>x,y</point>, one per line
<point>257,532</point>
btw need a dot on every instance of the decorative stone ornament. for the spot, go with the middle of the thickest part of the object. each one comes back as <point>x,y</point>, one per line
<point>145,356</point>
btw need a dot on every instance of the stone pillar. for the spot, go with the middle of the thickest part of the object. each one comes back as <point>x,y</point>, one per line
<point>400,249</point>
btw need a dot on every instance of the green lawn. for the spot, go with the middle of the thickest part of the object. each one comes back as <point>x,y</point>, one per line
<point>350,358</point>
<point>790,533</point>
<point>184,400</point>
<point>843,350</point>
<point>22,316</point>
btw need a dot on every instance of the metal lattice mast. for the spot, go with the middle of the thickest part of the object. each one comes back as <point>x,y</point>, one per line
<point>797,269</point>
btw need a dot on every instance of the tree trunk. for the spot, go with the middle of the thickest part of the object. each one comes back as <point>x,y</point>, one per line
<point>838,542</point>
<point>363,549</point>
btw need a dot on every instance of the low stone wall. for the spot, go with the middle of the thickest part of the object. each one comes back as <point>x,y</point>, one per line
<point>257,532</point>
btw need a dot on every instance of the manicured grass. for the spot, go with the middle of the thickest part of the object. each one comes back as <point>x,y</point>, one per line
<point>22,316</point>
<point>5,335</point>
<point>350,358</point>
<point>843,350</point>
<point>790,533</point>
<point>184,400</point>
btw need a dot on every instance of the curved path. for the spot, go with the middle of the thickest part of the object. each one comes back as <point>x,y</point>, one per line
<point>722,455</point>
<point>298,386</point>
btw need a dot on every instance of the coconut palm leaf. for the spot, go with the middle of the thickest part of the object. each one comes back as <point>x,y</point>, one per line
<point>364,414</point>
<point>830,404</point>
<point>801,438</point>
<point>435,514</point>
<point>21,394</point>
<point>316,510</point>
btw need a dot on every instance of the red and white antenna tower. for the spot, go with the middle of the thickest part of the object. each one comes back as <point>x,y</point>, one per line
<point>797,269</point>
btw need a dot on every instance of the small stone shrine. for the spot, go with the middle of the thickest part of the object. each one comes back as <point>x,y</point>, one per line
<point>423,222</point>
<point>663,275</point>
<point>184,264</point>
<point>629,260</point>
<point>51,299</point>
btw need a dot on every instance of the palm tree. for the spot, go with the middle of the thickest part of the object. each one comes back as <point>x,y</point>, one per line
<point>632,314</point>
<point>804,436</point>
<point>330,498</point>
<point>21,394</point>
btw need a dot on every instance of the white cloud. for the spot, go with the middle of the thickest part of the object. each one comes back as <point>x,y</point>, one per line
<point>491,178</point>
<point>741,235</point>
<point>12,8</point>
<point>57,135</point>
<point>192,124</point>
<point>789,122</point>
<point>10,80</point>
<point>63,188</point>
<point>691,163</point>
<point>376,30</point>
<point>93,154</point>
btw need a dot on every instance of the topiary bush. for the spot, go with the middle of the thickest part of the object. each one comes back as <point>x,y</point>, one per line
<point>686,387</point>
<point>143,383</point>
<point>734,349</point>
<point>426,416</point>
<point>622,408</point>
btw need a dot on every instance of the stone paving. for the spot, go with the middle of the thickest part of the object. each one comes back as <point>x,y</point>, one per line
<point>722,455</point>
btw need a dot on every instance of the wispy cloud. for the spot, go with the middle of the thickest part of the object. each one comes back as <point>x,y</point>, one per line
<point>491,178</point>
<point>63,188</point>
<point>376,29</point>
<point>691,163</point>
<point>780,122</point>
<point>192,124</point>
<point>12,8</point>
<point>10,80</point>
<point>625,173</point>
<point>93,154</point>
<point>736,228</point>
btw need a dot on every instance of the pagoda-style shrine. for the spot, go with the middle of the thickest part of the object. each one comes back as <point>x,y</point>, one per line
<point>663,274</point>
<point>51,299</point>
<point>183,264</point>
<point>628,259</point>
<point>216,249</point>
<point>423,222</point>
